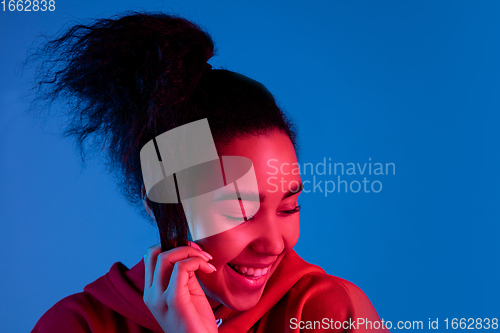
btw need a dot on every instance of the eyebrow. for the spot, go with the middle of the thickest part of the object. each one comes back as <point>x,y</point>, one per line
<point>252,196</point>
<point>248,196</point>
<point>291,192</point>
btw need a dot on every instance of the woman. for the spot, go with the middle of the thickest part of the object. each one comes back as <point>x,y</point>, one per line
<point>130,80</point>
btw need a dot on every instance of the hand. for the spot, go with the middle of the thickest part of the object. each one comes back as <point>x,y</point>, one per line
<point>172,292</point>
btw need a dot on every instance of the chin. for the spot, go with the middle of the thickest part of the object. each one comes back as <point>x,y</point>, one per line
<point>236,301</point>
<point>243,304</point>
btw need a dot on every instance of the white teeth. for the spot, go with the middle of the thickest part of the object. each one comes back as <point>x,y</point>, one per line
<point>250,271</point>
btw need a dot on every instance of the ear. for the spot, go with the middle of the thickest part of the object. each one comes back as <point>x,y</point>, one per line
<point>146,205</point>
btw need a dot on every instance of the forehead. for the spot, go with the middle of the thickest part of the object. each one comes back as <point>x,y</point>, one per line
<point>262,147</point>
<point>266,151</point>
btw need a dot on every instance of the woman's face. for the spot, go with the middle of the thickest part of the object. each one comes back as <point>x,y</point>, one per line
<point>248,254</point>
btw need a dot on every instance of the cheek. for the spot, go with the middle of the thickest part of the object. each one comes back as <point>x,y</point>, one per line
<point>291,232</point>
<point>225,246</point>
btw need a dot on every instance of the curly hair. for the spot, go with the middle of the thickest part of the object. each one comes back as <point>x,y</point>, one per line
<point>130,78</point>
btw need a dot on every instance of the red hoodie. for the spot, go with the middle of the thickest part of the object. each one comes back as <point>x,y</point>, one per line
<point>297,296</point>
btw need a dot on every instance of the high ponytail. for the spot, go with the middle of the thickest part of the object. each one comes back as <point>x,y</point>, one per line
<point>131,78</point>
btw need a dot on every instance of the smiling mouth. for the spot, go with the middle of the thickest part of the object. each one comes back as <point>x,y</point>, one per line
<point>250,272</point>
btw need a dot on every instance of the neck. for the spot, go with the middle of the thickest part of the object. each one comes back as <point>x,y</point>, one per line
<point>213,304</point>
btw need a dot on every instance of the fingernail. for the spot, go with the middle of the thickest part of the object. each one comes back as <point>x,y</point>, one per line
<point>212,266</point>
<point>196,246</point>
<point>206,254</point>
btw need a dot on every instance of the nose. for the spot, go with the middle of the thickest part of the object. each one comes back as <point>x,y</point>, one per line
<point>269,237</point>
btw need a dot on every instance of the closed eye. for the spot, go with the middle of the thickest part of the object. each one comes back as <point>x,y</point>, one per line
<point>290,211</point>
<point>284,213</point>
<point>237,219</point>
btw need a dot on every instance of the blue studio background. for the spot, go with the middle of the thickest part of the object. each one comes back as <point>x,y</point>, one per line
<point>410,83</point>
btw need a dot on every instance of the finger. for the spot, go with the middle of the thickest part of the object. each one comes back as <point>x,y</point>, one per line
<point>165,264</point>
<point>150,264</point>
<point>196,246</point>
<point>182,271</point>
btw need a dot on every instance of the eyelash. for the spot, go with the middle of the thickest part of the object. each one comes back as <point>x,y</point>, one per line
<point>283,212</point>
<point>291,211</point>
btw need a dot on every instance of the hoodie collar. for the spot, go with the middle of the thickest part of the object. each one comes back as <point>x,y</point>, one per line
<point>121,289</point>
